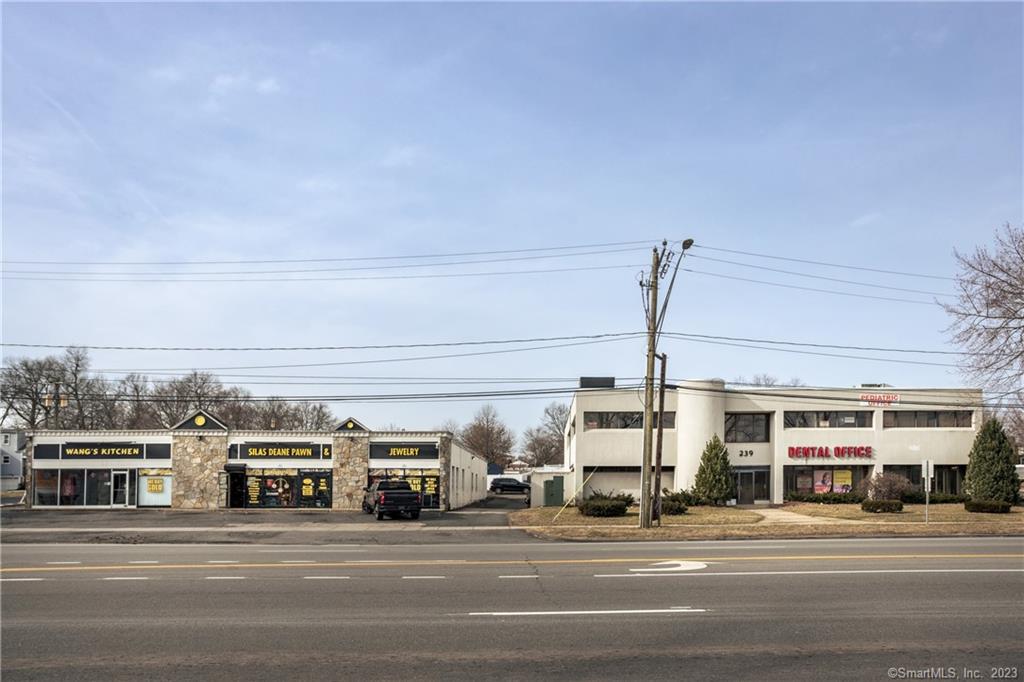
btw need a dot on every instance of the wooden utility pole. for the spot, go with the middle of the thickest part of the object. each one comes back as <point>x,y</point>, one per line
<point>657,449</point>
<point>652,328</point>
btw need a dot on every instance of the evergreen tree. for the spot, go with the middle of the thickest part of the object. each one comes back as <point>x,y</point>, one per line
<point>715,481</point>
<point>990,471</point>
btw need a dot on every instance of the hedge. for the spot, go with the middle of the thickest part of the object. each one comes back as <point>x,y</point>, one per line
<point>882,506</point>
<point>673,504</point>
<point>916,496</point>
<point>826,498</point>
<point>987,506</point>
<point>602,506</point>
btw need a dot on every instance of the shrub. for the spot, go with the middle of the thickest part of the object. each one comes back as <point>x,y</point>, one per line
<point>826,498</point>
<point>684,497</point>
<point>947,498</point>
<point>715,481</point>
<point>602,506</point>
<point>987,506</point>
<point>624,497</point>
<point>885,487</point>
<point>674,504</point>
<point>990,471</point>
<point>882,506</point>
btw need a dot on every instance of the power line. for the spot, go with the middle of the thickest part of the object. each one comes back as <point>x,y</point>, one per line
<point>379,361</point>
<point>828,345</point>
<point>362,278</point>
<point>334,260</point>
<point>344,269</point>
<point>819,354</point>
<point>820,291</point>
<point>822,277</point>
<point>830,265</point>
<point>383,346</point>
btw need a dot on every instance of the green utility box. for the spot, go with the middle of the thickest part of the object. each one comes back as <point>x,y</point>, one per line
<point>554,492</point>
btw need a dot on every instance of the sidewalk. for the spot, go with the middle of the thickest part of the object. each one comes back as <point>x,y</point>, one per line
<point>773,515</point>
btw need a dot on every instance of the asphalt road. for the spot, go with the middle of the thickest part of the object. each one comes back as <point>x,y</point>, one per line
<point>810,609</point>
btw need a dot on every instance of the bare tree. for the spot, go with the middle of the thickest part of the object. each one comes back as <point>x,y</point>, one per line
<point>545,444</point>
<point>987,321</point>
<point>988,315</point>
<point>488,436</point>
<point>28,386</point>
<point>763,379</point>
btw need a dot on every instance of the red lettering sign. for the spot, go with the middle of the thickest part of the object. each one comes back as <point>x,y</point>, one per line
<point>837,451</point>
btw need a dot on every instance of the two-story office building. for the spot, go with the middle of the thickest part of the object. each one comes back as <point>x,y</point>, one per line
<point>202,463</point>
<point>780,440</point>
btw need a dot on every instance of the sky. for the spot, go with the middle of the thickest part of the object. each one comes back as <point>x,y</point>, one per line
<point>882,136</point>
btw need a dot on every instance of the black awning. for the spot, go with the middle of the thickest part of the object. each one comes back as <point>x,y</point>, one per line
<point>234,467</point>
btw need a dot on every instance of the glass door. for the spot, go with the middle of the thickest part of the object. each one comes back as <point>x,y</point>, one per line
<point>119,489</point>
<point>745,487</point>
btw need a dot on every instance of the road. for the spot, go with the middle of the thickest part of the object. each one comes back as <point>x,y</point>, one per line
<point>811,609</point>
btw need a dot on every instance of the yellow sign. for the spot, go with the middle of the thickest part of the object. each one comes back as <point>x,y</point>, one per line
<point>200,420</point>
<point>326,450</point>
<point>842,481</point>
<point>154,485</point>
<point>403,452</point>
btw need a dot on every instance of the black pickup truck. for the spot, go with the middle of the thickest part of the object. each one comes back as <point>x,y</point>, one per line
<point>393,498</point>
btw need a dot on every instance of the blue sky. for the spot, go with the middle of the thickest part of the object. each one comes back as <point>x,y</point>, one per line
<point>877,135</point>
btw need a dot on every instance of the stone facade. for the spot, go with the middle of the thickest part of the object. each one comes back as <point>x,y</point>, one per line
<point>199,460</point>
<point>444,456</point>
<point>351,468</point>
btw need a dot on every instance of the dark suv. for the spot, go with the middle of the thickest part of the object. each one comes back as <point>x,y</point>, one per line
<point>509,485</point>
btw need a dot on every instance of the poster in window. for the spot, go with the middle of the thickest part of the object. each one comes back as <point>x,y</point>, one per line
<point>822,481</point>
<point>804,483</point>
<point>842,480</point>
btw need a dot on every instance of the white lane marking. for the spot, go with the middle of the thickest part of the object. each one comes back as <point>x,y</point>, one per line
<point>614,612</point>
<point>144,562</point>
<point>63,563</point>
<point>325,577</point>
<point>20,580</point>
<point>225,577</point>
<point>222,561</point>
<point>672,566</point>
<point>837,572</point>
<point>424,577</point>
<point>126,577</point>
<point>518,576</point>
<point>298,561</point>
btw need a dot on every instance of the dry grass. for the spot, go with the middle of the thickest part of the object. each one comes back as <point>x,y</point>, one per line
<point>695,516</point>
<point>778,531</point>
<point>912,513</point>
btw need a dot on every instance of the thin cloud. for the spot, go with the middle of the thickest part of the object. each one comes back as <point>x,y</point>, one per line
<point>865,220</point>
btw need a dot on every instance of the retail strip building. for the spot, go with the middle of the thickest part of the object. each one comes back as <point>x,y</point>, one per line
<point>780,440</point>
<point>201,463</point>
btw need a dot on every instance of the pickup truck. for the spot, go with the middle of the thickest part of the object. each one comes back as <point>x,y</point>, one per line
<point>393,498</point>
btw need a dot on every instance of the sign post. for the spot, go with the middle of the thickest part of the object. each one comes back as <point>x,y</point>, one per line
<point>927,471</point>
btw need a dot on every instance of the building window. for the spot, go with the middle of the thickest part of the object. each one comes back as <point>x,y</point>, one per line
<point>828,420</point>
<point>7,439</point>
<point>747,428</point>
<point>623,420</point>
<point>45,487</point>
<point>927,419</point>
<point>7,459</point>
<point>72,487</point>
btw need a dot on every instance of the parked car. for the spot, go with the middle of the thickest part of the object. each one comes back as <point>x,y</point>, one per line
<point>509,485</point>
<point>392,498</point>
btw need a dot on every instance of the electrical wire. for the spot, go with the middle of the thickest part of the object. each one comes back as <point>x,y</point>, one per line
<point>825,264</point>
<point>822,277</point>
<point>820,291</point>
<point>335,260</point>
<point>307,270</point>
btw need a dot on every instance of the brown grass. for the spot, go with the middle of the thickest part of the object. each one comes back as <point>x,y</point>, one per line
<point>695,516</point>
<point>912,513</point>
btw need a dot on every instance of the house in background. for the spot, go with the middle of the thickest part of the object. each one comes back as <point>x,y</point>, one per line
<point>12,473</point>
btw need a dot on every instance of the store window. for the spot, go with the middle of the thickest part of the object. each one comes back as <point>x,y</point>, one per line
<point>823,479</point>
<point>97,487</point>
<point>861,419</point>
<point>623,420</point>
<point>45,486</point>
<point>927,419</point>
<point>72,487</point>
<point>743,427</point>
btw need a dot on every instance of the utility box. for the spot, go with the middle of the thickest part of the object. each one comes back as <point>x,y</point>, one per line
<point>554,492</point>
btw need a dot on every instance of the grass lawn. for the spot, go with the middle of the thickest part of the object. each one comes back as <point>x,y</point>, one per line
<point>951,513</point>
<point>695,516</point>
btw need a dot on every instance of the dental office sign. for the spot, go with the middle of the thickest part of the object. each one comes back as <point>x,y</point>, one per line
<point>879,399</point>
<point>831,451</point>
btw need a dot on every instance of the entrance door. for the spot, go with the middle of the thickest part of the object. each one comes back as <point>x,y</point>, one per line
<point>119,489</point>
<point>745,487</point>
<point>236,490</point>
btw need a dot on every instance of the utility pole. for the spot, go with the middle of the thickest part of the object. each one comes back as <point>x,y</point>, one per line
<point>660,261</point>
<point>652,342</point>
<point>657,448</point>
